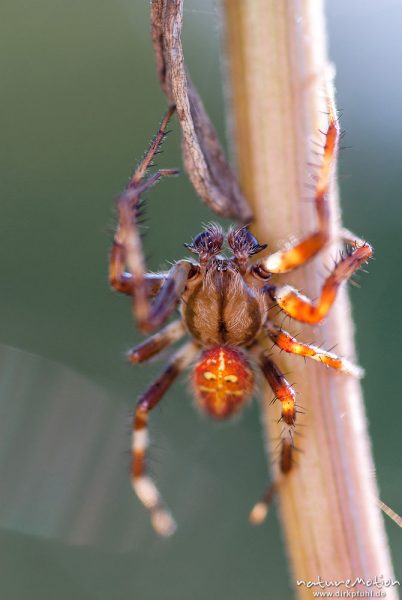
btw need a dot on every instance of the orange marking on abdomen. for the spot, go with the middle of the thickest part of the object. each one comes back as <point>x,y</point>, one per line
<point>223,381</point>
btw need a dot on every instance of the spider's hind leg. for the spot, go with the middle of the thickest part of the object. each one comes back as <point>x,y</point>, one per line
<point>283,392</point>
<point>260,510</point>
<point>156,343</point>
<point>143,485</point>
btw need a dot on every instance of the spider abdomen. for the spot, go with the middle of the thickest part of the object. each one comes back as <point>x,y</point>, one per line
<point>223,381</point>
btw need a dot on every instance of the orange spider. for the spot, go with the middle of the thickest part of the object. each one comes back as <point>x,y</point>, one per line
<point>224,303</point>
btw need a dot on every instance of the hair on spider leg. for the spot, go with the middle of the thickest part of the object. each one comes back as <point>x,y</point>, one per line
<point>315,165</point>
<point>330,113</point>
<point>314,178</point>
<point>158,139</point>
<point>332,347</point>
<point>278,439</point>
<point>310,187</point>
<point>342,135</point>
<point>316,153</point>
<point>108,230</point>
<point>318,144</point>
<point>286,318</point>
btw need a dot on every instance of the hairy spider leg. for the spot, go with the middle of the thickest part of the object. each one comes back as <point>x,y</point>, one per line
<point>301,252</point>
<point>142,483</point>
<point>285,341</point>
<point>156,343</point>
<point>260,510</point>
<point>122,281</point>
<point>282,389</point>
<point>154,146</point>
<point>127,246</point>
<point>284,392</point>
<point>301,308</point>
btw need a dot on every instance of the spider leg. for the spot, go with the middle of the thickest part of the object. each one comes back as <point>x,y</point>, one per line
<point>143,485</point>
<point>260,510</point>
<point>167,298</point>
<point>156,343</point>
<point>127,249</point>
<point>282,389</point>
<point>285,341</point>
<point>301,308</point>
<point>154,146</point>
<point>122,281</point>
<point>283,392</point>
<point>301,252</point>
<point>128,239</point>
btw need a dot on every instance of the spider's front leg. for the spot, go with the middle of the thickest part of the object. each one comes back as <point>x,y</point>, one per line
<point>127,250</point>
<point>301,308</point>
<point>301,252</point>
<point>122,281</point>
<point>143,485</point>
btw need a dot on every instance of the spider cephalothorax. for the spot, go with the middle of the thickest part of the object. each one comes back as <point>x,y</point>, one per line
<point>224,302</point>
<point>224,309</point>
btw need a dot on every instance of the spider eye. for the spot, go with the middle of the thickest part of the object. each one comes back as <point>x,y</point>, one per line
<point>243,243</point>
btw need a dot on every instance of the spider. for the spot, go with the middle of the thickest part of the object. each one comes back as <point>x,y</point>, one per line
<point>224,307</point>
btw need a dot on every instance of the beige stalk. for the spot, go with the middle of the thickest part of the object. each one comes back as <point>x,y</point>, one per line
<point>278,74</point>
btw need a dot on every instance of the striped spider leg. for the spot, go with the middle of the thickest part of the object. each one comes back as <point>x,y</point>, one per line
<point>155,297</point>
<point>143,485</point>
<point>127,249</point>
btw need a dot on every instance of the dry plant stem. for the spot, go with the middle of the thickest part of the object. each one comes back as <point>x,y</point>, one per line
<point>278,74</point>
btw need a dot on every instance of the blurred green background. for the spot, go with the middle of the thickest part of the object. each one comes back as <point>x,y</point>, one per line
<point>79,102</point>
